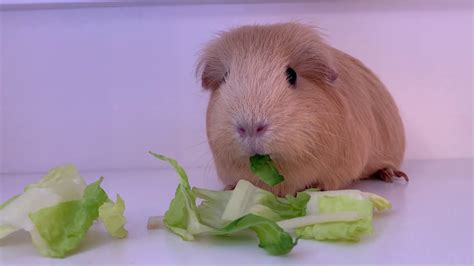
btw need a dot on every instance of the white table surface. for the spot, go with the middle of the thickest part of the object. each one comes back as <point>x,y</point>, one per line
<point>430,223</point>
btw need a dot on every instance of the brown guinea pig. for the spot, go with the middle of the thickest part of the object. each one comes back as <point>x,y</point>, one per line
<point>322,116</point>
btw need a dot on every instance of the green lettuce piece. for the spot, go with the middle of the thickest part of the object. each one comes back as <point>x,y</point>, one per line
<point>182,216</point>
<point>299,222</point>
<point>247,198</point>
<point>59,209</point>
<point>212,206</point>
<point>15,213</point>
<point>263,167</point>
<point>272,238</point>
<point>60,184</point>
<point>63,226</point>
<point>112,215</point>
<point>380,203</point>
<point>185,219</point>
<point>64,181</point>
<point>339,202</point>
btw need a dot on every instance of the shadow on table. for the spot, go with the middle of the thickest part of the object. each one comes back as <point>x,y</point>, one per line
<point>15,239</point>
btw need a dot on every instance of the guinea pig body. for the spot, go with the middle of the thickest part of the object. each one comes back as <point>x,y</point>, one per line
<point>323,117</point>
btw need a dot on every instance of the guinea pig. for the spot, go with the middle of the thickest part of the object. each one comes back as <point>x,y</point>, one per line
<point>323,117</point>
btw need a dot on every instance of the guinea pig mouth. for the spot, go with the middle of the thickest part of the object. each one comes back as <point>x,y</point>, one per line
<point>252,146</point>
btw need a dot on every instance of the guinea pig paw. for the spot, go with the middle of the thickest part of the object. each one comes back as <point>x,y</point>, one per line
<point>389,174</point>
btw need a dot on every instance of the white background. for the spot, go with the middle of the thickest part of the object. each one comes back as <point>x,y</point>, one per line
<point>99,87</point>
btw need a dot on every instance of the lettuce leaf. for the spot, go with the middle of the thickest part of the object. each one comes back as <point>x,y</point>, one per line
<point>272,237</point>
<point>59,209</point>
<point>60,184</point>
<point>247,198</point>
<point>111,214</point>
<point>185,219</point>
<point>212,206</point>
<point>63,226</point>
<point>298,222</point>
<point>64,181</point>
<point>182,216</point>
<point>380,203</point>
<point>311,214</point>
<point>263,167</point>
<point>338,204</point>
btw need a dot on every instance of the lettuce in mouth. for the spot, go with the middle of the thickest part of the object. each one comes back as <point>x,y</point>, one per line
<point>59,210</point>
<point>344,215</point>
<point>263,167</point>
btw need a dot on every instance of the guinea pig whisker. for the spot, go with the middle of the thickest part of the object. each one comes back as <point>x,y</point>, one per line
<point>207,169</point>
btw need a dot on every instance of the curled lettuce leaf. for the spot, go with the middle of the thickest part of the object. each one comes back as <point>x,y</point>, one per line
<point>212,206</point>
<point>272,237</point>
<point>64,181</point>
<point>187,220</point>
<point>60,184</point>
<point>298,222</point>
<point>63,226</point>
<point>247,198</point>
<point>263,167</point>
<point>311,214</point>
<point>339,203</point>
<point>112,216</point>
<point>182,216</point>
<point>58,211</point>
<point>380,203</point>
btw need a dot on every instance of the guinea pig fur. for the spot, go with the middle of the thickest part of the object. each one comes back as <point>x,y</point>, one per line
<point>323,117</point>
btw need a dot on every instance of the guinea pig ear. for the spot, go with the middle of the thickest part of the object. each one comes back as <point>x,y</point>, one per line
<point>318,67</point>
<point>211,70</point>
<point>212,78</point>
<point>315,61</point>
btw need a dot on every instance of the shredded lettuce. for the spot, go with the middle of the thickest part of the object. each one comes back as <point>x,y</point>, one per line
<point>298,222</point>
<point>60,184</point>
<point>63,226</point>
<point>212,206</point>
<point>182,216</point>
<point>187,220</point>
<point>380,203</point>
<point>263,167</point>
<point>112,215</point>
<point>247,198</point>
<point>311,214</point>
<point>338,204</point>
<point>58,211</point>
<point>64,181</point>
<point>272,237</point>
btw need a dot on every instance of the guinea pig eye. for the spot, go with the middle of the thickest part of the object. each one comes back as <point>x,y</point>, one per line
<point>291,76</point>
<point>225,76</point>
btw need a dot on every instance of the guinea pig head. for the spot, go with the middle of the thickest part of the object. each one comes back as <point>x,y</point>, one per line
<point>271,88</point>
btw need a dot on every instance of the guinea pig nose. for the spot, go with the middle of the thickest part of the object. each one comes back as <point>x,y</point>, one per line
<point>242,131</point>
<point>252,130</point>
<point>260,129</point>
